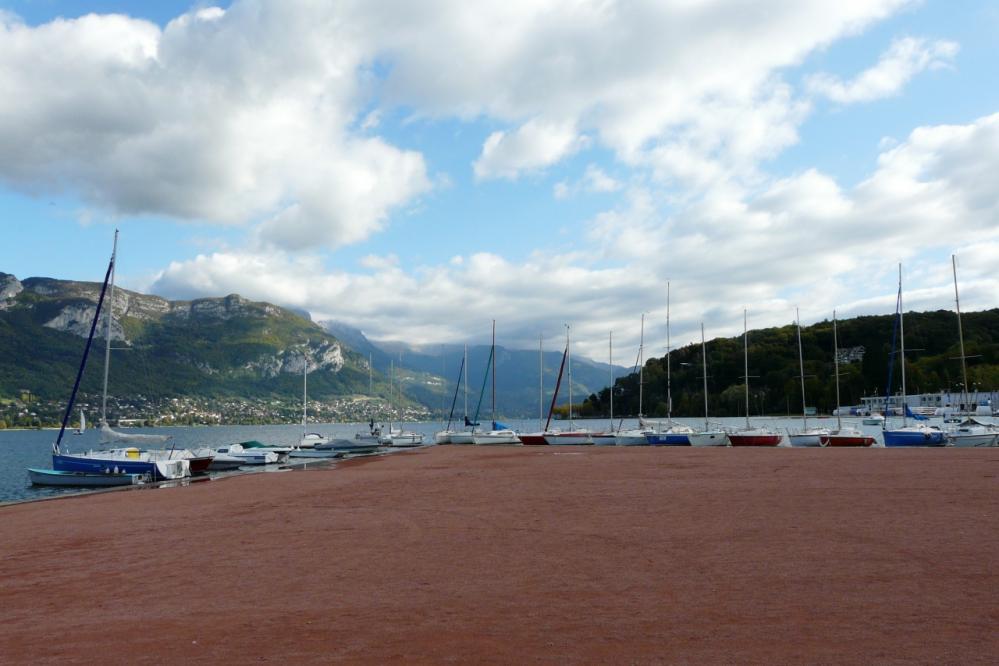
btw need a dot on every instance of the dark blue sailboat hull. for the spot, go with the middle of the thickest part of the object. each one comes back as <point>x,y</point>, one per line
<point>71,463</point>
<point>668,439</point>
<point>894,438</point>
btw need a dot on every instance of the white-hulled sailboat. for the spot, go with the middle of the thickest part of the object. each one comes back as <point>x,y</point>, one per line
<point>669,433</point>
<point>573,436</point>
<point>806,436</point>
<point>842,436</point>
<point>609,437</point>
<point>500,434</point>
<point>709,436</point>
<point>751,436</point>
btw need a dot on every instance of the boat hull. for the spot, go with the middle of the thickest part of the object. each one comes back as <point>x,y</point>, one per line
<point>569,439</point>
<point>495,438</point>
<point>347,446</point>
<point>812,439</point>
<point>52,477</point>
<point>847,440</point>
<point>754,440</point>
<point>899,438</point>
<point>604,439</point>
<point>708,439</point>
<point>162,470</point>
<point>533,439</point>
<point>973,440</point>
<point>669,439</point>
<point>200,464</point>
<point>639,438</point>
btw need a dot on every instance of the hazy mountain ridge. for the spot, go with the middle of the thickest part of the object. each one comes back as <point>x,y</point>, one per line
<point>517,371</point>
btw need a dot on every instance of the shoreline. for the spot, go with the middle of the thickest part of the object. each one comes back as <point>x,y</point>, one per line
<point>509,554</point>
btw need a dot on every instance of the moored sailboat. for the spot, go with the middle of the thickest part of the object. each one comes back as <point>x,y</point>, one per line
<point>129,461</point>
<point>500,434</point>
<point>842,436</point>
<point>908,435</point>
<point>806,436</point>
<point>308,439</point>
<point>538,438</point>
<point>573,436</point>
<point>750,436</point>
<point>709,436</point>
<point>638,436</point>
<point>670,433</point>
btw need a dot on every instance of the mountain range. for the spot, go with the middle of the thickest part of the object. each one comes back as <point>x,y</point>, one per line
<point>240,357</point>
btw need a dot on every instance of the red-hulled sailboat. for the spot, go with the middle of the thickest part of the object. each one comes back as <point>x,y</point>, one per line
<point>751,436</point>
<point>842,436</point>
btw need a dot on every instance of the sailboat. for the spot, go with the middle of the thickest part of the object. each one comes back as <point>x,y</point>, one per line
<point>374,434</point>
<point>638,436</point>
<point>571,436</point>
<point>750,436</point>
<point>83,425</point>
<point>500,434</point>
<point>806,436</point>
<point>538,438</point>
<point>444,436</point>
<point>397,437</point>
<point>842,436</point>
<point>94,464</point>
<point>308,440</point>
<point>608,438</point>
<point>918,434</point>
<point>969,432</point>
<point>709,436</point>
<point>673,434</point>
<point>198,461</point>
<point>471,426</point>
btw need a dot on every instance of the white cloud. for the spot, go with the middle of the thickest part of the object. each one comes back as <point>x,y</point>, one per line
<point>904,59</point>
<point>803,240</point>
<point>247,114</point>
<point>593,180</point>
<point>226,116</point>
<point>532,146</point>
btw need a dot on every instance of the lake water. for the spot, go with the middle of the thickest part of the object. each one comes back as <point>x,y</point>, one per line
<point>20,449</point>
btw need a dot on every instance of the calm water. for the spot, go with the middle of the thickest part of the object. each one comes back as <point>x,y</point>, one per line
<point>32,448</point>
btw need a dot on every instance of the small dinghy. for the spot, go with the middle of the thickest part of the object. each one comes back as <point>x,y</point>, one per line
<point>53,477</point>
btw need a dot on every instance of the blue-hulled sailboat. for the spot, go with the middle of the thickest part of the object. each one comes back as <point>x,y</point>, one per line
<point>121,461</point>
<point>908,435</point>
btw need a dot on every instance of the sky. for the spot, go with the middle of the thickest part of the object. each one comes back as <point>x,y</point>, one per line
<point>419,169</point>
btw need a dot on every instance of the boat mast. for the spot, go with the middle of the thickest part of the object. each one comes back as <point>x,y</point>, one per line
<point>305,390</point>
<point>541,379</point>
<point>494,375</point>
<point>86,352</point>
<point>568,352</point>
<point>669,389</point>
<point>641,367</point>
<point>745,343</point>
<point>107,334</point>
<point>610,361</point>
<point>465,382</point>
<point>391,393</point>
<point>704,367</point>
<point>801,366</point>
<point>901,333</point>
<point>839,418</point>
<point>444,391</point>
<point>960,335</point>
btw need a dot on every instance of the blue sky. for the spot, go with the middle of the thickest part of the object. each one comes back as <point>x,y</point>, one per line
<point>417,170</point>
